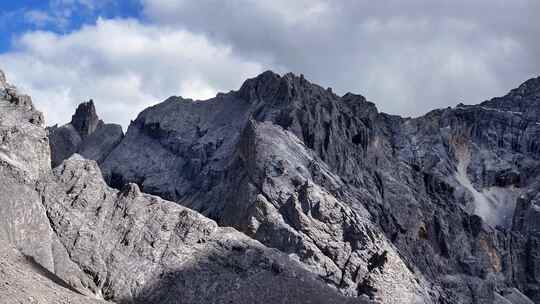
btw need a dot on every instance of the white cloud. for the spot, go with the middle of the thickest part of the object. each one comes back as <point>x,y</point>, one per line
<point>407,57</point>
<point>38,18</point>
<point>123,65</point>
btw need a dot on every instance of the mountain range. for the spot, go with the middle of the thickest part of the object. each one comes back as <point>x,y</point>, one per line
<point>279,192</point>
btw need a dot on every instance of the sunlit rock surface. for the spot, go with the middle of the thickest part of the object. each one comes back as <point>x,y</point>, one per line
<point>86,135</point>
<point>336,183</point>
<point>335,202</point>
<point>66,237</point>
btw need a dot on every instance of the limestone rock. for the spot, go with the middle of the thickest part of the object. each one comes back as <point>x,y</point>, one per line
<point>23,280</point>
<point>66,237</point>
<point>85,120</point>
<point>312,174</point>
<point>86,134</point>
<point>140,248</point>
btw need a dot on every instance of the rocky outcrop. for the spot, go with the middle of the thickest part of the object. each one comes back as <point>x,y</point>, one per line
<point>86,135</point>
<point>284,194</point>
<point>66,237</point>
<point>85,120</point>
<point>22,280</point>
<point>140,248</point>
<point>330,194</point>
<point>343,187</point>
<point>24,162</point>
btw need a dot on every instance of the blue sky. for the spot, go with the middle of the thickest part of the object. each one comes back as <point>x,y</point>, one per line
<point>59,16</point>
<point>408,57</point>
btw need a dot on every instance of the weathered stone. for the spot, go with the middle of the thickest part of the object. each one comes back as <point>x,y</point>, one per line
<point>442,208</point>
<point>23,280</point>
<point>85,120</point>
<point>86,134</point>
<point>65,232</point>
<point>436,192</point>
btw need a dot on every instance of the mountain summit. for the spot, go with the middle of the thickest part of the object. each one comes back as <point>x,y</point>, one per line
<point>85,120</point>
<point>335,182</point>
<point>86,135</point>
<point>326,199</point>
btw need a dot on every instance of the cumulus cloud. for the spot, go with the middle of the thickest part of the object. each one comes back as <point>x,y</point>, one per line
<point>408,57</point>
<point>123,65</point>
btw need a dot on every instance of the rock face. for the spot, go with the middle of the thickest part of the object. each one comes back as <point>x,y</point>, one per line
<point>66,237</point>
<point>24,162</point>
<point>22,280</point>
<point>139,248</point>
<point>86,135</point>
<point>337,202</point>
<point>85,120</point>
<point>395,209</point>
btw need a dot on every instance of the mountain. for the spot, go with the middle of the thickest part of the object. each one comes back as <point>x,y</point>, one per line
<point>334,182</point>
<point>66,237</point>
<point>86,135</point>
<point>326,199</point>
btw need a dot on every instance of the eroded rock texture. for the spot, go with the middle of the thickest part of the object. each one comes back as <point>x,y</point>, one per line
<point>66,237</point>
<point>337,202</point>
<point>86,135</point>
<point>396,209</point>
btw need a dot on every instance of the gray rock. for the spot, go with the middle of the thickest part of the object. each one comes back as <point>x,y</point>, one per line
<point>3,82</point>
<point>66,237</point>
<point>23,280</point>
<point>85,120</point>
<point>334,182</point>
<point>24,162</point>
<point>100,143</point>
<point>330,195</point>
<point>140,248</point>
<point>516,297</point>
<point>64,142</point>
<point>86,135</point>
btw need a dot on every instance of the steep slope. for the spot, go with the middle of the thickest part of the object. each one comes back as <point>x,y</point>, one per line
<point>24,161</point>
<point>139,248</point>
<point>226,158</point>
<point>374,204</point>
<point>22,280</point>
<point>86,135</point>
<point>66,229</point>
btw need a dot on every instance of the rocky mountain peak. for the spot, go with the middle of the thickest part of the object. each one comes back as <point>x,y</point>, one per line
<point>265,84</point>
<point>529,87</point>
<point>270,86</point>
<point>85,119</point>
<point>86,135</point>
<point>440,208</point>
<point>2,79</point>
<point>23,102</point>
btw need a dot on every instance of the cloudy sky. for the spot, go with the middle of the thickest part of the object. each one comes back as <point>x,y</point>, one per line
<point>406,56</point>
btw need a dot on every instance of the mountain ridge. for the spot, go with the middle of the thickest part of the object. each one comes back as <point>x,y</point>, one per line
<point>122,246</point>
<point>348,150</point>
<point>439,208</point>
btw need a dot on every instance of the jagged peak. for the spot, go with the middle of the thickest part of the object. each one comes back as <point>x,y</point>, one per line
<point>262,86</point>
<point>2,78</point>
<point>529,87</point>
<point>10,93</point>
<point>270,85</point>
<point>85,120</point>
<point>353,97</point>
